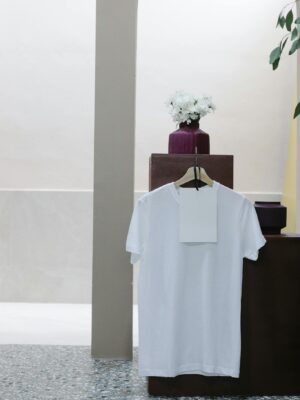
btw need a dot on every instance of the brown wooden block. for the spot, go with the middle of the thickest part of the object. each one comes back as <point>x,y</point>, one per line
<point>165,168</point>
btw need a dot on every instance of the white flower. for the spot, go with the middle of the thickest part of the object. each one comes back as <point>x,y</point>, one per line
<point>185,107</point>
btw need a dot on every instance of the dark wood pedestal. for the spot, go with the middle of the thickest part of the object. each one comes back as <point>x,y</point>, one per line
<point>270,315</point>
<point>165,168</point>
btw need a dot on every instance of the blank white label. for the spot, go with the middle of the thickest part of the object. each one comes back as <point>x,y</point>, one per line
<point>198,214</point>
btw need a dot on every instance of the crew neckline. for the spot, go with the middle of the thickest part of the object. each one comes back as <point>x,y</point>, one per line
<point>176,190</point>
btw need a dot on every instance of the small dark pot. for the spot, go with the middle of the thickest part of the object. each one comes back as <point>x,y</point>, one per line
<point>189,139</point>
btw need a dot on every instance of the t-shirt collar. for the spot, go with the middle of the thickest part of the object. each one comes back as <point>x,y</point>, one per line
<point>175,190</point>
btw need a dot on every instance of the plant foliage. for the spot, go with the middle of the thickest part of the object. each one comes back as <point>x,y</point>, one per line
<point>286,20</point>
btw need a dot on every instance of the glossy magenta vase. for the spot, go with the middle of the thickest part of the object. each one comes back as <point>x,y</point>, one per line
<point>189,139</point>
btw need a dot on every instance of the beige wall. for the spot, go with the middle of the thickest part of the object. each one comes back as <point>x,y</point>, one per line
<point>47,80</point>
<point>219,48</point>
<point>47,87</point>
<point>114,178</point>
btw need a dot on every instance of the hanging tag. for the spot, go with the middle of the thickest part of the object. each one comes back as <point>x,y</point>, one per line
<point>198,214</point>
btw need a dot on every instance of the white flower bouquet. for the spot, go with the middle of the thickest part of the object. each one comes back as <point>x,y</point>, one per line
<point>185,107</point>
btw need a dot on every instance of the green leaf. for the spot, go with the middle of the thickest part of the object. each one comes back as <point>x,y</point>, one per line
<point>275,64</point>
<point>297,110</point>
<point>297,20</point>
<point>294,33</point>
<point>275,54</point>
<point>295,46</point>
<point>280,21</point>
<point>289,20</point>
<point>283,43</point>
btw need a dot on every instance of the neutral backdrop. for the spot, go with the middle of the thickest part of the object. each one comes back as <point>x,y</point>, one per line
<point>47,120</point>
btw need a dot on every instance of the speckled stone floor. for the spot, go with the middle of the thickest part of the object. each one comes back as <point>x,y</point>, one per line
<point>39,372</point>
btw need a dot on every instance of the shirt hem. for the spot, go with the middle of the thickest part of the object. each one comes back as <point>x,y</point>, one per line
<point>254,254</point>
<point>132,249</point>
<point>199,369</point>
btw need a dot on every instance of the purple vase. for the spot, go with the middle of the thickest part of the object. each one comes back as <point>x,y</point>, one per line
<point>189,139</point>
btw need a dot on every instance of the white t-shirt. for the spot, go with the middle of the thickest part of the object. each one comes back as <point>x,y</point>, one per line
<point>189,294</point>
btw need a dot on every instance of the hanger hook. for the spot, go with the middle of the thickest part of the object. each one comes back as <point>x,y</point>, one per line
<point>196,180</point>
<point>196,165</point>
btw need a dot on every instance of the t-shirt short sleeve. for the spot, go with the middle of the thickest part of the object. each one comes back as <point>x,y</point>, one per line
<point>252,238</point>
<point>136,233</point>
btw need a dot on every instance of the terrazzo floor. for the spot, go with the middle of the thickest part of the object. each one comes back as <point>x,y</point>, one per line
<point>51,372</point>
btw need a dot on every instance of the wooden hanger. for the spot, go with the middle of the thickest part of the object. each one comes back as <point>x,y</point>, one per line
<point>194,173</point>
